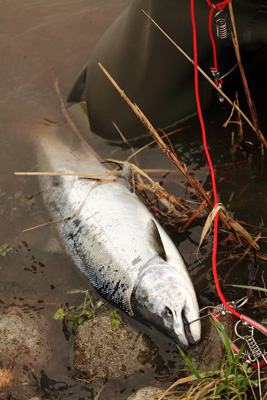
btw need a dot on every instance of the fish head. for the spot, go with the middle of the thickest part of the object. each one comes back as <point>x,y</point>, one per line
<point>166,299</point>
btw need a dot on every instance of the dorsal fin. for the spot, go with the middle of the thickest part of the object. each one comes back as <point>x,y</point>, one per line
<point>155,239</point>
<point>128,175</point>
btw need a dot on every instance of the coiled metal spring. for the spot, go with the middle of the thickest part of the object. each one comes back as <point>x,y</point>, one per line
<point>221,25</point>
<point>254,351</point>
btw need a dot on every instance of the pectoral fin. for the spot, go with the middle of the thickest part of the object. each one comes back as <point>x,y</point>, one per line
<point>155,239</point>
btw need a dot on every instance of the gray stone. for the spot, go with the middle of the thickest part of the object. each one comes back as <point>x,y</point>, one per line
<point>151,392</point>
<point>211,350</point>
<point>22,336</point>
<point>104,351</point>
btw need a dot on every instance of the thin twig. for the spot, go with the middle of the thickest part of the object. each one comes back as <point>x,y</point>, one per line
<point>62,219</point>
<point>229,118</point>
<point>79,174</point>
<point>167,199</point>
<point>67,116</point>
<point>129,145</point>
<point>125,141</point>
<point>252,108</point>
<point>99,393</point>
<point>153,141</point>
<point>200,208</point>
<point>240,125</point>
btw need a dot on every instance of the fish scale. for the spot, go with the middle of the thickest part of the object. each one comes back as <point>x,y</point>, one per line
<point>116,242</point>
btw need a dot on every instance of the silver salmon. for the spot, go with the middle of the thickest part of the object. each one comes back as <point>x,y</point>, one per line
<point>117,243</point>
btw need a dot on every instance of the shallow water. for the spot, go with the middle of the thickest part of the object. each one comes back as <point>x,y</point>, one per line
<point>41,42</point>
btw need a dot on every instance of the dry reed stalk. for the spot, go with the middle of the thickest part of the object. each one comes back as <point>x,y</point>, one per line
<point>251,105</point>
<point>168,200</point>
<point>67,116</point>
<point>200,192</point>
<point>65,218</point>
<point>161,215</point>
<point>256,130</point>
<point>79,174</point>
<point>238,123</point>
<point>228,121</point>
<point>129,145</point>
<point>239,119</point>
<point>99,393</point>
<point>200,208</point>
<point>153,141</point>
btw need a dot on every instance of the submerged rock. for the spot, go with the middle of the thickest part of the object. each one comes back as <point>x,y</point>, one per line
<point>22,337</point>
<point>104,351</point>
<point>151,392</point>
<point>211,350</point>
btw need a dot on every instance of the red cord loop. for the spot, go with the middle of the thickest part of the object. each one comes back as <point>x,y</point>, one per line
<point>218,6</point>
<point>249,320</point>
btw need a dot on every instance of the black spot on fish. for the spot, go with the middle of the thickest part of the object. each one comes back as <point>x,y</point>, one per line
<point>136,260</point>
<point>116,288</point>
<point>70,236</point>
<point>77,222</point>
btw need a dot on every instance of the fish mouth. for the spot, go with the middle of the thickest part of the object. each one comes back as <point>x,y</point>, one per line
<point>188,334</point>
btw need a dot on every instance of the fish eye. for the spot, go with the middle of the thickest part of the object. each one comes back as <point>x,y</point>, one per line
<point>167,313</point>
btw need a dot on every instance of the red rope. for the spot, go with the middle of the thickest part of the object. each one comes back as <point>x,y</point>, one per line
<point>215,7</point>
<point>215,234</point>
<point>212,40</point>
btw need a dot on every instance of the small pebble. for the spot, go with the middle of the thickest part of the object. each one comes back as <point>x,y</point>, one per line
<point>151,393</point>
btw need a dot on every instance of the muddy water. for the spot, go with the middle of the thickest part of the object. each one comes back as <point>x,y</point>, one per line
<point>41,43</point>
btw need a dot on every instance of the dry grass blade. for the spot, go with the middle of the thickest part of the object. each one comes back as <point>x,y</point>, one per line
<point>79,174</point>
<point>100,180</point>
<point>153,141</point>
<point>169,153</point>
<point>99,393</point>
<point>200,192</point>
<point>208,223</point>
<point>128,144</point>
<point>135,167</point>
<point>171,202</point>
<point>93,381</point>
<point>200,208</point>
<point>125,140</point>
<point>181,381</point>
<point>62,219</point>
<point>229,119</point>
<point>65,112</point>
<point>239,121</point>
<point>82,177</point>
<point>166,198</point>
